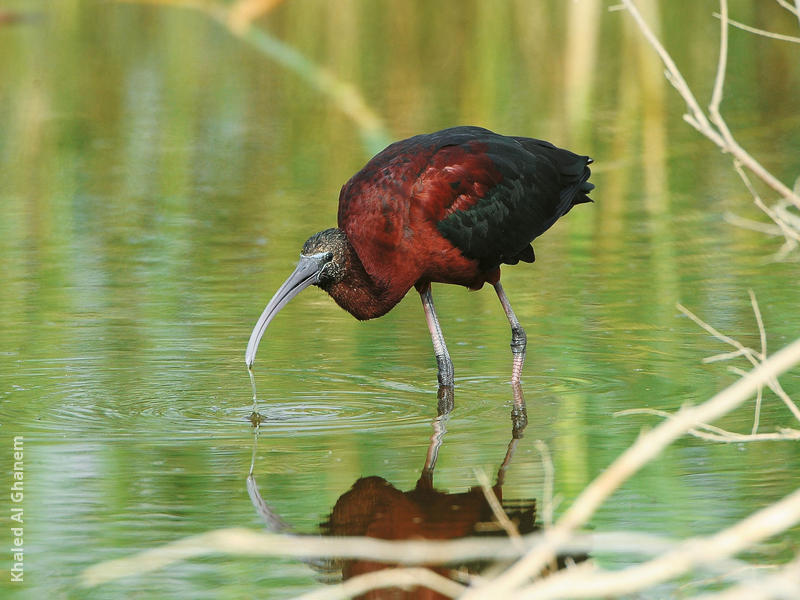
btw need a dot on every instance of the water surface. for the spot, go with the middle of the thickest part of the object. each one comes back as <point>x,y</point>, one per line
<point>160,176</point>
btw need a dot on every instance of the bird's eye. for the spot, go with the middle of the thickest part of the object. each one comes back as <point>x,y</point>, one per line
<point>329,256</point>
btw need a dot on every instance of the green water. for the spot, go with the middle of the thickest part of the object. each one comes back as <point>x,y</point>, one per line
<point>159,176</point>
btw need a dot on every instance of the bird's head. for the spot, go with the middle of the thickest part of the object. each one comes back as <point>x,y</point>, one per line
<point>322,263</point>
<point>331,247</point>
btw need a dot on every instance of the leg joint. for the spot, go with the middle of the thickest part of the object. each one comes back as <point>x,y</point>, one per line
<point>518,339</point>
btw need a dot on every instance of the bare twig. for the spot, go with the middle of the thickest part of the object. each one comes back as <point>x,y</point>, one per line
<point>674,76</point>
<point>497,508</point>
<point>405,578</point>
<point>696,117</point>
<point>744,223</point>
<point>742,350</point>
<point>754,357</point>
<point>722,62</point>
<point>764,32</point>
<point>547,466</point>
<point>717,434</point>
<point>795,10</point>
<point>757,411</point>
<point>790,231</point>
<point>727,355</point>
<point>763,337</point>
<point>237,541</point>
<point>782,208</point>
<point>243,542</point>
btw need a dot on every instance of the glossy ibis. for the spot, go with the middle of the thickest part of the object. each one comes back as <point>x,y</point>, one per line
<point>447,207</point>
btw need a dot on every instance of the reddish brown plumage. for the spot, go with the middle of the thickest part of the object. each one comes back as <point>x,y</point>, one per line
<point>391,209</point>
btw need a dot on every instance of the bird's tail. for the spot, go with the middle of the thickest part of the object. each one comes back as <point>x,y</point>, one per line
<point>574,170</point>
<point>584,187</point>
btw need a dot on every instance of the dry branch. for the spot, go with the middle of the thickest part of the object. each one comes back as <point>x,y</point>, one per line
<point>751,355</point>
<point>238,541</point>
<point>549,477</point>
<point>713,126</point>
<point>497,509</point>
<point>712,433</point>
<point>795,10</point>
<point>402,578</point>
<point>764,32</point>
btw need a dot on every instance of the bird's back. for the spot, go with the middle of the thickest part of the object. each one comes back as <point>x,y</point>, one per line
<point>455,204</point>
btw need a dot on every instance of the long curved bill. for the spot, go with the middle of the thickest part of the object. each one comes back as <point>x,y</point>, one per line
<point>306,273</point>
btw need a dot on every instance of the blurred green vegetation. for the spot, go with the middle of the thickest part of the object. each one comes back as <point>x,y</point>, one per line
<point>159,175</point>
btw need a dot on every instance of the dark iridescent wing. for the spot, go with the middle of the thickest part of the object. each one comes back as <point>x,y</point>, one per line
<point>522,187</point>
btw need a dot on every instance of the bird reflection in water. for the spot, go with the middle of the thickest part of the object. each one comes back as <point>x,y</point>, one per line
<point>375,508</point>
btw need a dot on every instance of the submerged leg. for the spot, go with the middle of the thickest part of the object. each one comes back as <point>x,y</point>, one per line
<point>439,347</point>
<point>518,337</point>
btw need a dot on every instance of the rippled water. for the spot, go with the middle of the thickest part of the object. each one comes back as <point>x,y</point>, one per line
<point>160,177</point>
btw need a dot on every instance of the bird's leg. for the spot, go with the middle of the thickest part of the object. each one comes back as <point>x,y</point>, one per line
<point>439,347</point>
<point>518,337</point>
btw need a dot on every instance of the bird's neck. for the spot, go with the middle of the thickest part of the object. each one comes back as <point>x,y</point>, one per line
<point>357,292</point>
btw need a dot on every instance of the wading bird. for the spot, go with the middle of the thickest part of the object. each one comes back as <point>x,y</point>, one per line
<point>445,207</point>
